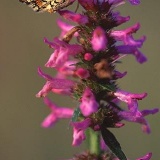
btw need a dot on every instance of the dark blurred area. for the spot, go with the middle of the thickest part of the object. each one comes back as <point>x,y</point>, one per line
<point>22,50</point>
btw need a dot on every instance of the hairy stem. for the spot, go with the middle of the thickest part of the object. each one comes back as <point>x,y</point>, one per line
<point>94,142</point>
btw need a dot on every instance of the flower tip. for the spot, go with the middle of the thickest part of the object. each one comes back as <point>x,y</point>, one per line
<point>37,95</point>
<point>45,40</point>
<point>146,157</point>
<point>145,95</point>
<point>99,40</point>
<point>46,124</point>
<point>40,94</point>
<point>134,2</point>
<point>119,125</point>
<point>39,70</point>
<point>127,18</point>
<point>156,110</point>
<point>146,129</point>
<point>142,60</point>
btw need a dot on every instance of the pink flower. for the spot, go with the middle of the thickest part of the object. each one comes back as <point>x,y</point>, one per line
<point>78,131</point>
<point>134,2</point>
<point>53,83</point>
<point>88,105</point>
<point>126,36</point>
<point>65,27</point>
<point>138,117</point>
<point>119,19</point>
<point>78,137</point>
<point>68,68</point>
<point>148,156</point>
<point>128,49</point>
<point>88,56</point>
<point>75,17</point>
<point>82,73</point>
<point>62,52</point>
<point>99,39</point>
<point>118,74</point>
<point>127,96</point>
<point>134,115</point>
<point>56,113</point>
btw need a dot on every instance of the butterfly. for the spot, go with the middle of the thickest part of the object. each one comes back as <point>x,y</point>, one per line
<point>47,5</point>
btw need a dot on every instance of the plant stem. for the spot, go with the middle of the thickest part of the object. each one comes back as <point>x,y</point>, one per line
<point>94,142</point>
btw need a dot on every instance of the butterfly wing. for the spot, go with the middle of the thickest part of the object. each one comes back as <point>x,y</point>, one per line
<point>47,5</point>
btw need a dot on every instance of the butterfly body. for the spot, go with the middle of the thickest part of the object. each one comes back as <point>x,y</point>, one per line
<point>47,5</point>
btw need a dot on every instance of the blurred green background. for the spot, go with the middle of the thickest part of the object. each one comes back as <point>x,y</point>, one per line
<point>22,50</point>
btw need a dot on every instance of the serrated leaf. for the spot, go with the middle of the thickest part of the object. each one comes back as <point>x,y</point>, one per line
<point>111,141</point>
<point>76,114</point>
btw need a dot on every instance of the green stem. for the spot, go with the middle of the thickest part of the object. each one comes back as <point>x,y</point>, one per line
<point>94,142</point>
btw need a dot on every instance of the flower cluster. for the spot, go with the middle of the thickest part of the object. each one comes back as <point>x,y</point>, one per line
<point>86,72</point>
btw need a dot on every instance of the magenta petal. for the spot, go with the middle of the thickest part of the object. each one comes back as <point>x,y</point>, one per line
<point>65,27</point>
<point>137,118</point>
<point>75,17</point>
<point>82,73</point>
<point>53,83</point>
<point>88,56</point>
<point>49,121</point>
<point>45,90</point>
<point>149,111</point>
<point>62,52</point>
<point>126,36</point>
<point>127,96</point>
<point>78,137</point>
<point>78,131</point>
<point>56,113</point>
<point>68,68</point>
<point>45,76</point>
<point>99,39</point>
<point>146,157</point>
<point>118,74</point>
<point>134,2</point>
<point>88,105</point>
<point>119,19</point>
<point>82,125</point>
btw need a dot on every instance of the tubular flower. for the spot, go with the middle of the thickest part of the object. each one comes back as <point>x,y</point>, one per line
<point>99,40</point>
<point>56,113</point>
<point>88,103</point>
<point>85,57</point>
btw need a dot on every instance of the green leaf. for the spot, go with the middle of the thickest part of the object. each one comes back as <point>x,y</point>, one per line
<point>111,141</point>
<point>76,114</point>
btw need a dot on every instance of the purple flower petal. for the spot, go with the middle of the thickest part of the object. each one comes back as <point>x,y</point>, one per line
<point>65,27</point>
<point>127,96</point>
<point>126,36</point>
<point>118,74</point>
<point>78,137</point>
<point>56,113</point>
<point>126,49</point>
<point>75,17</point>
<point>99,39</point>
<point>62,52</point>
<point>82,125</point>
<point>134,2</point>
<point>53,83</point>
<point>78,131</point>
<point>146,157</point>
<point>119,19</point>
<point>88,104</point>
<point>82,73</point>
